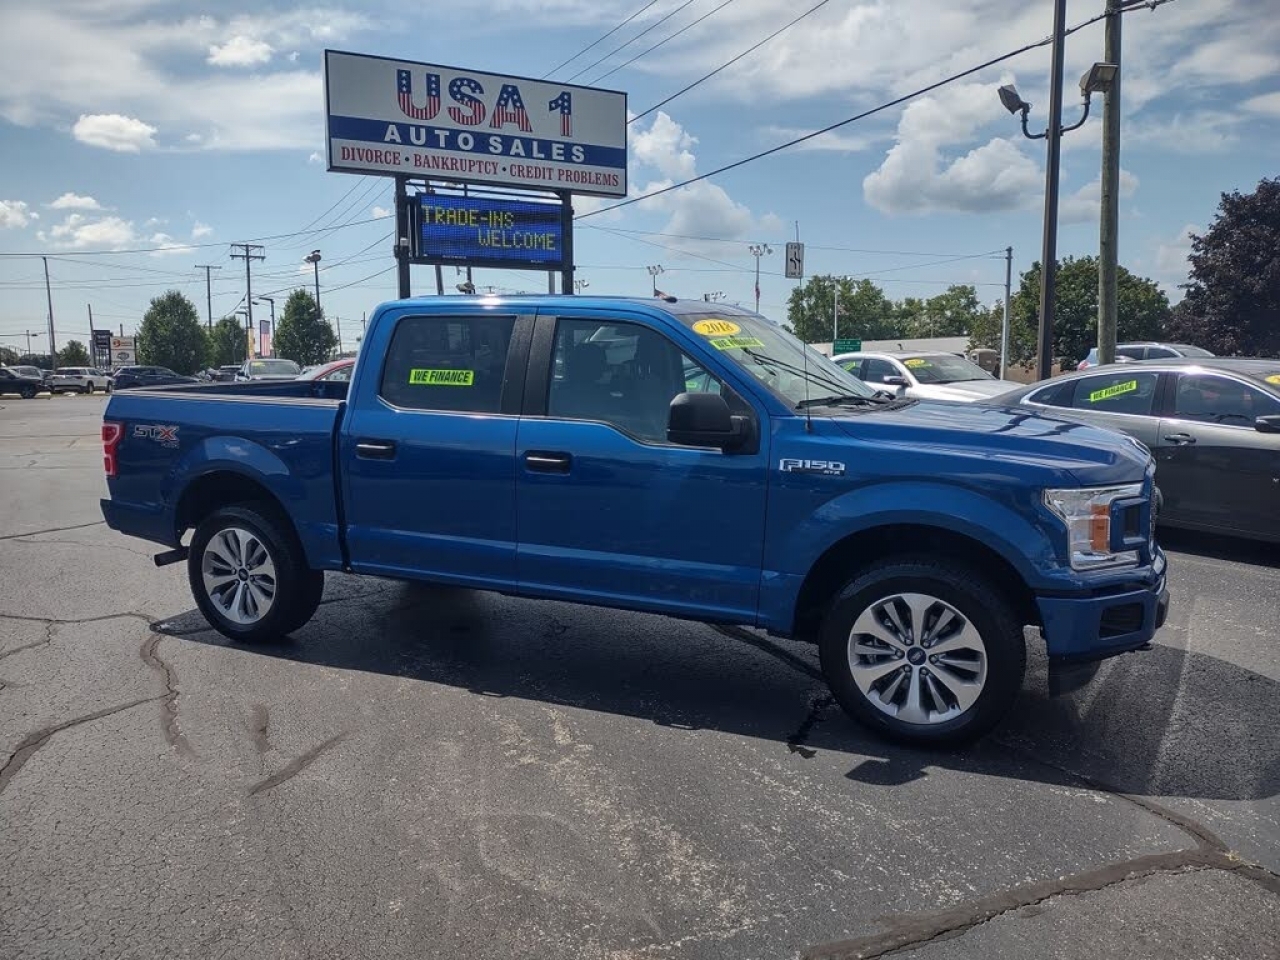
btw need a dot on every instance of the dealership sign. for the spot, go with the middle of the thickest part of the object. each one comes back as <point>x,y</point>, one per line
<point>441,123</point>
<point>486,231</point>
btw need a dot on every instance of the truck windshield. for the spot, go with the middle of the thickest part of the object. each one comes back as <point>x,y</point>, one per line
<point>796,373</point>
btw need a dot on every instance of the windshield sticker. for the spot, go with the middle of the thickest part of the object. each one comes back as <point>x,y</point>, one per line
<point>916,362</point>
<point>442,378</point>
<point>716,328</point>
<point>1114,390</point>
<point>736,343</point>
<point>1274,378</point>
<point>826,468</point>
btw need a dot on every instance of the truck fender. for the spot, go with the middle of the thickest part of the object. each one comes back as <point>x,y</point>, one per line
<point>236,455</point>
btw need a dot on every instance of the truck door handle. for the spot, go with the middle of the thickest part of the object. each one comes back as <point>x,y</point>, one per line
<point>1181,439</point>
<point>544,461</point>
<point>375,449</point>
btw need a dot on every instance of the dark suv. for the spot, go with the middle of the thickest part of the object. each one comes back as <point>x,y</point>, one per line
<point>17,380</point>
<point>127,377</point>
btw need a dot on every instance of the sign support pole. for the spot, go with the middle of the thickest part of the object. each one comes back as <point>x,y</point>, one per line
<point>566,232</point>
<point>402,239</point>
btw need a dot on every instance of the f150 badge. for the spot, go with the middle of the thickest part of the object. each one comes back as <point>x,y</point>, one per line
<point>166,436</point>
<point>826,468</point>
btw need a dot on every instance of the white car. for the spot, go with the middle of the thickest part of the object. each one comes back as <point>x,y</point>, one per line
<point>79,380</point>
<point>924,376</point>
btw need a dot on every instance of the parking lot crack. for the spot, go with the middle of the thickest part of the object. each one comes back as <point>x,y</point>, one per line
<point>796,742</point>
<point>295,766</point>
<point>36,533</point>
<point>49,626</point>
<point>172,733</point>
<point>34,741</point>
<point>259,722</point>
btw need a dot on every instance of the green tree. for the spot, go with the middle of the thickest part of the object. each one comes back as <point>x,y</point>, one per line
<point>228,343</point>
<point>74,354</point>
<point>172,336</point>
<point>303,335</point>
<point>8,356</point>
<point>864,311</point>
<point>1232,305</point>
<point>1142,312</point>
<point>986,329</point>
<point>952,313</point>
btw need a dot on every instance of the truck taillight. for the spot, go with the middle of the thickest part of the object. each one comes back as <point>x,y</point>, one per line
<point>111,434</point>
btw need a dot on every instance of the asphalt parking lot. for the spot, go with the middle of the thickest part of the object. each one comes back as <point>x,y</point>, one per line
<point>431,773</point>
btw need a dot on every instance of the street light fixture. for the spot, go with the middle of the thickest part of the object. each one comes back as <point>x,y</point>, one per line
<point>580,285</point>
<point>759,250</point>
<point>313,258</point>
<point>1098,79</point>
<point>654,270</point>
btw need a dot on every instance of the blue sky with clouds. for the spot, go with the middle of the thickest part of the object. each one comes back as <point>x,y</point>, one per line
<point>130,125</point>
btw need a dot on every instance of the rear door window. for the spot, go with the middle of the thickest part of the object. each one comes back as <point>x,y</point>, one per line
<point>1210,399</point>
<point>448,363</point>
<point>1118,392</point>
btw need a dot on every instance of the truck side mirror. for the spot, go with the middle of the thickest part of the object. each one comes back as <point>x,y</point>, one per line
<point>1269,424</point>
<point>703,420</point>
<point>896,381</point>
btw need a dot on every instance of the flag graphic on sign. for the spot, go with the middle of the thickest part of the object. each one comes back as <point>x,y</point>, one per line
<point>264,338</point>
<point>404,89</point>
<point>510,109</point>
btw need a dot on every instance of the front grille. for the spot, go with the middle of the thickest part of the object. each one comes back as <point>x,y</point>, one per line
<point>1121,619</point>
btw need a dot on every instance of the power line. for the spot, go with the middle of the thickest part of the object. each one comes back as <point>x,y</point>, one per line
<point>728,63</point>
<point>657,23</point>
<point>642,53</point>
<point>777,243</point>
<point>837,125</point>
<point>598,40</point>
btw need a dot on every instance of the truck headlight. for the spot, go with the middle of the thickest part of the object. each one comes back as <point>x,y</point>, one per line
<point>1086,513</point>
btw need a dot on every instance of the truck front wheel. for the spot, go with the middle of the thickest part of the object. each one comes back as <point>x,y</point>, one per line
<point>924,651</point>
<point>249,576</point>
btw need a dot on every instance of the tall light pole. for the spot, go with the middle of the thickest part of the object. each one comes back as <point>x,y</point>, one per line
<point>759,250</point>
<point>313,258</point>
<point>1109,224</point>
<point>1098,78</point>
<point>1004,325</point>
<point>654,270</point>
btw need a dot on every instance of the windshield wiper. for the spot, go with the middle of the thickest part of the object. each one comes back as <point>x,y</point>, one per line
<point>843,398</point>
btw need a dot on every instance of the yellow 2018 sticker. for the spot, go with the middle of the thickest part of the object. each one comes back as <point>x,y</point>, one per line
<point>442,378</point>
<point>1115,390</point>
<point>1274,378</point>
<point>916,362</point>
<point>735,343</point>
<point>716,328</point>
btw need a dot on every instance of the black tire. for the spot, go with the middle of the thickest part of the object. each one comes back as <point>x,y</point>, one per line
<point>297,587</point>
<point>969,594</point>
<point>27,393</point>
<point>88,388</point>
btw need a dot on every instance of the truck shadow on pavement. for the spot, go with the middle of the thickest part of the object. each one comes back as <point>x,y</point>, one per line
<point>1161,722</point>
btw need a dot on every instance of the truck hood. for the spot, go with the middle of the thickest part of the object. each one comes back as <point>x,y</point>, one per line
<point>1010,435</point>
<point>963,390</point>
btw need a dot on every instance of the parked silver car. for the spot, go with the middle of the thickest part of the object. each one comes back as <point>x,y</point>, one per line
<point>1212,424</point>
<point>923,376</point>
<point>79,380</point>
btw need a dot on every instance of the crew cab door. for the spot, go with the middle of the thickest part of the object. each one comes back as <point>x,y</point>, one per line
<point>609,511</point>
<point>427,451</point>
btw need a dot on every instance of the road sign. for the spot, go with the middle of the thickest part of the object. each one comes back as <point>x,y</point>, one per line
<point>395,117</point>
<point>846,345</point>
<point>123,352</point>
<point>795,261</point>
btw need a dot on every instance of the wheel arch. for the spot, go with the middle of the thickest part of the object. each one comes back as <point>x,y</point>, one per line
<point>215,489</point>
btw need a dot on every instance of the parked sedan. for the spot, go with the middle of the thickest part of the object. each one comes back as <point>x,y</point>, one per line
<point>339,371</point>
<point>1126,352</point>
<point>267,369</point>
<point>923,376</point>
<point>79,380</point>
<point>1213,425</point>
<point>14,380</point>
<point>128,377</point>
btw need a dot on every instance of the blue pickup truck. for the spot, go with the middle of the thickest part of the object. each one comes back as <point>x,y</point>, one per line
<point>683,458</point>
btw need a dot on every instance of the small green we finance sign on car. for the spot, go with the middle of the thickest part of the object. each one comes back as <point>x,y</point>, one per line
<point>442,378</point>
<point>1115,390</point>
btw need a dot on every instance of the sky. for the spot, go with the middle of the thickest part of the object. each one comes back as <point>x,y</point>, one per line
<point>140,139</point>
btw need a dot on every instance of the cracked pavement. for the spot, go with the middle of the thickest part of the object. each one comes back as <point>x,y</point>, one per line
<point>428,772</point>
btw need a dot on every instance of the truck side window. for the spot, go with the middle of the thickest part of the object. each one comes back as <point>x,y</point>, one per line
<point>620,373</point>
<point>1118,392</point>
<point>447,363</point>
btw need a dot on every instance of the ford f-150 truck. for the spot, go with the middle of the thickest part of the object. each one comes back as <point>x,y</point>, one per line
<point>688,459</point>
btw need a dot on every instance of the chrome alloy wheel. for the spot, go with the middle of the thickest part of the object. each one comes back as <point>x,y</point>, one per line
<point>917,658</point>
<point>239,575</point>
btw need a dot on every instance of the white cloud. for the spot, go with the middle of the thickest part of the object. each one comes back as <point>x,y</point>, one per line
<point>240,51</point>
<point>1171,256</point>
<point>200,230</point>
<point>78,232</point>
<point>666,147</point>
<point>315,157</point>
<point>167,246</point>
<point>835,141</point>
<point>377,212</point>
<point>1201,131</point>
<point>1085,204</point>
<point>1267,104</point>
<point>73,201</point>
<point>15,214</point>
<point>917,176</point>
<point>113,131</point>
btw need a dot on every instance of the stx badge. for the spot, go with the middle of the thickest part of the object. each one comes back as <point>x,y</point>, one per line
<point>166,436</point>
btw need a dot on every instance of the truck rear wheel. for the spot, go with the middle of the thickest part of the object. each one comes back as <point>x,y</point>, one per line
<point>249,575</point>
<point>924,651</point>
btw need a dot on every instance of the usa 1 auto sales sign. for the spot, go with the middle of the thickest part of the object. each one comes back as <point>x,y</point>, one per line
<point>443,123</point>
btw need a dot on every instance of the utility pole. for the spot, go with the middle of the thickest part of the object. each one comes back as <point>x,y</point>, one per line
<point>93,360</point>
<point>759,250</point>
<point>1049,257</point>
<point>1004,327</point>
<point>1109,224</point>
<point>835,313</point>
<point>248,253</point>
<point>48,292</point>
<point>208,287</point>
